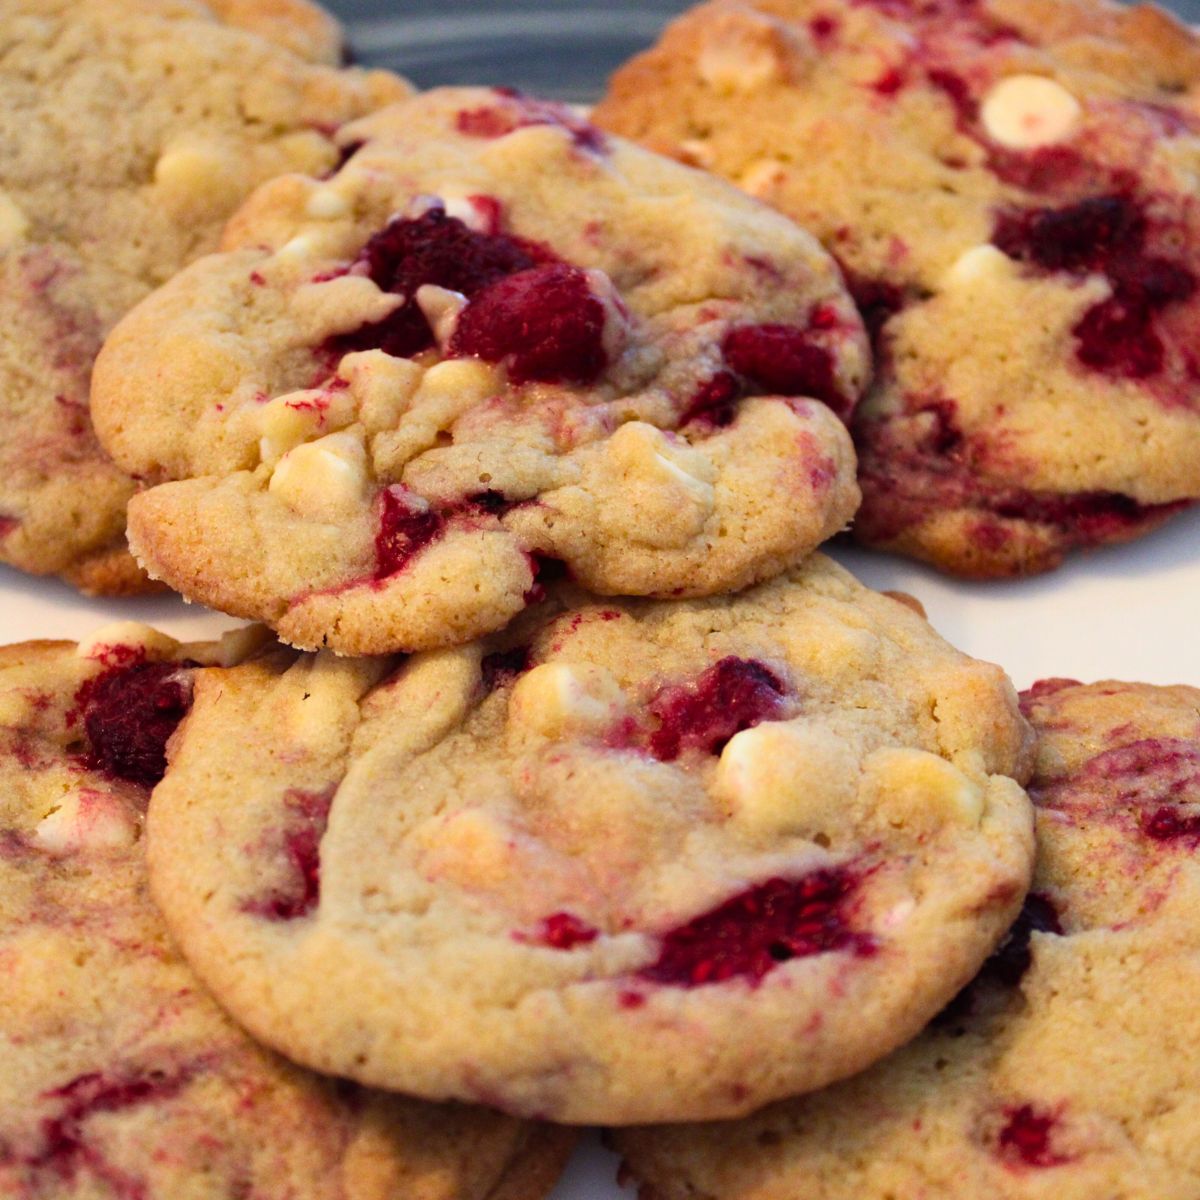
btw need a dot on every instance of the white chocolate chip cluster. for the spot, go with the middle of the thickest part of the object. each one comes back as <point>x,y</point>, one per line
<point>87,820</point>
<point>1026,112</point>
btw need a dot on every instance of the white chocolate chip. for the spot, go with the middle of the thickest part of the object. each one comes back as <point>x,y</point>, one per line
<point>737,65</point>
<point>196,175</point>
<point>980,264</point>
<point>302,246</point>
<point>327,204</point>
<point>1023,112</point>
<point>920,792</point>
<point>232,648</point>
<point>461,382</point>
<point>556,698</point>
<point>658,491</point>
<point>788,777</point>
<point>128,636</point>
<point>459,204</point>
<point>14,224</point>
<point>441,308</point>
<point>382,386</point>
<point>323,480</point>
<point>471,847</point>
<point>86,819</point>
<point>297,417</point>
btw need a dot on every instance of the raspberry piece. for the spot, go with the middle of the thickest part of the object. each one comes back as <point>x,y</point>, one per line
<point>732,695</point>
<point>565,931</point>
<point>1105,235</point>
<point>129,714</point>
<point>752,933</point>
<point>433,248</point>
<point>786,361</point>
<point>715,402</point>
<point>546,324</point>
<point>404,531</point>
<point>1025,1138</point>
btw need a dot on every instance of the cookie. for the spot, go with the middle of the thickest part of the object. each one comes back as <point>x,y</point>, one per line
<point>1065,1069</point>
<point>119,1076</point>
<point>1010,186</point>
<point>129,131</point>
<point>303,28</point>
<point>623,862</point>
<point>494,337</point>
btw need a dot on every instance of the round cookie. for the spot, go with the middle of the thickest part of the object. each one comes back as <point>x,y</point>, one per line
<point>129,131</point>
<point>1066,1070</point>
<point>1010,186</point>
<point>495,336</point>
<point>119,1077</point>
<point>625,862</point>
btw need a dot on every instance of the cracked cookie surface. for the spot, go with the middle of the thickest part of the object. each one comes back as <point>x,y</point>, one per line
<point>120,1079</point>
<point>1010,186</point>
<point>1064,1070</point>
<point>129,132</point>
<point>627,861</point>
<point>494,337</point>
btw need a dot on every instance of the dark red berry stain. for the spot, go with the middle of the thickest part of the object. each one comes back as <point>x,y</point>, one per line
<point>1008,965</point>
<point>1167,824</point>
<point>787,361</point>
<point>1010,961</point>
<point>877,300</point>
<point>404,531</point>
<point>732,695</point>
<point>502,668</point>
<point>824,26</point>
<point>64,1145</point>
<point>547,571</point>
<point>715,402</point>
<point>516,111</point>
<point>565,931</point>
<point>435,249</point>
<point>1104,235</point>
<point>1025,1138</point>
<point>922,463</point>
<point>491,502</point>
<point>957,91</point>
<point>129,713</point>
<point>1041,689</point>
<point>889,83</point>
<point>1158,779</point>
<point>544,324</point>
<point>305,818</point>
<point>751,934</point>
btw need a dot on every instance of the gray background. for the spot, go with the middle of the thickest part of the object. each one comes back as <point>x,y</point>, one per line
<point>564,49</point>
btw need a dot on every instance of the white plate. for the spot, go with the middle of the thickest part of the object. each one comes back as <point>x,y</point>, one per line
<point>1129,612</point>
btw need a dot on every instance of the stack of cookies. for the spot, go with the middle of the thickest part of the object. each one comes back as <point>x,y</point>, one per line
<point>563,781</point>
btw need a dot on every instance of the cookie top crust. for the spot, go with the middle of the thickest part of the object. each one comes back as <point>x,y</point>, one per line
<point>129,132</point>
<point>119,1076</point>
<point>303,28</point>
<point>1010,185</point>
<point>626,861</point>
<point>495,336</point>
<point>1062,1070</point>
